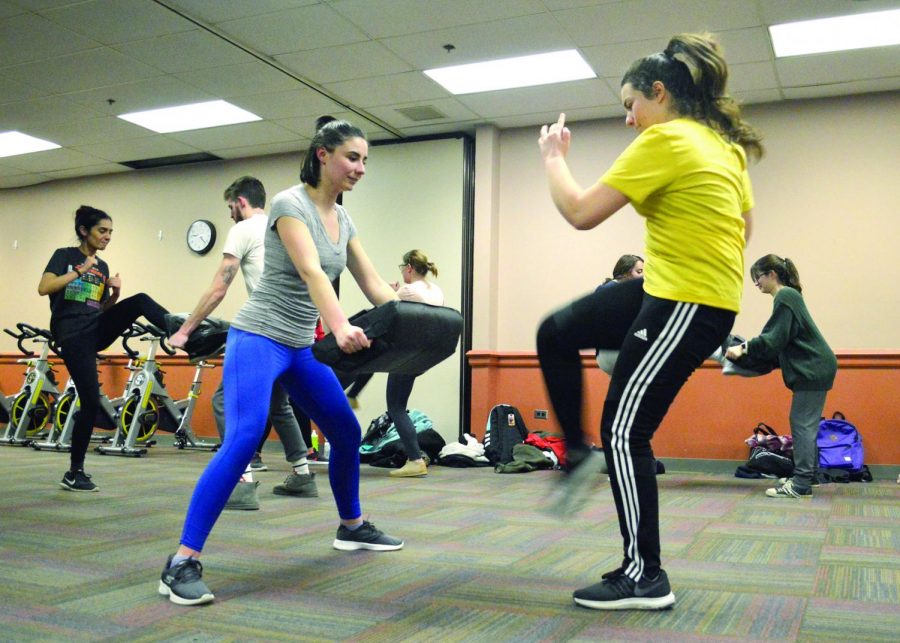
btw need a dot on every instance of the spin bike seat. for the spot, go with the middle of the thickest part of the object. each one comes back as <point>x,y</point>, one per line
<point>407,337</point>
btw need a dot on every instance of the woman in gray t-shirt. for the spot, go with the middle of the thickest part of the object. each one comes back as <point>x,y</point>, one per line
<point>310,240</point>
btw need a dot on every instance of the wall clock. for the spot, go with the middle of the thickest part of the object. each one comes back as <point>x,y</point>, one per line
<point>201,236</point>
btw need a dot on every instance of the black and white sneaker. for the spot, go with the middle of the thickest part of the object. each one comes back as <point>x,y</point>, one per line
<point>366,536</point>
<point>183,583</point>
<point>619,592</point>
<point>78,481</point>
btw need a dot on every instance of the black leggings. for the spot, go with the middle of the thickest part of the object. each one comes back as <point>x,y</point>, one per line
<point>663,342</point>
<point>80,356</point>
<point>399,388</point>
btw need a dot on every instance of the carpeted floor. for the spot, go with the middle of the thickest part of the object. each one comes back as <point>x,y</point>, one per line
<point>480,563</point>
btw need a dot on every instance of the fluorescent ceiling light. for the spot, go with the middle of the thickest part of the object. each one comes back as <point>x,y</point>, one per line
<point>15,143</point>
<point>522,71</point>
<point>860,31</point>
<point>186,117</point>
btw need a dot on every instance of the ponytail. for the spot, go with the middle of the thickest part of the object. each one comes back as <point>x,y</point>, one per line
<point>784,269</point>
<point>419,262</point>
<point>696,75</point>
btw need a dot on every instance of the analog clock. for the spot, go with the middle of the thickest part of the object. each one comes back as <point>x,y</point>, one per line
<point>201,236</point>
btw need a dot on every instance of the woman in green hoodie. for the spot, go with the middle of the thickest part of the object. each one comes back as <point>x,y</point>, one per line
<point>807,364</point>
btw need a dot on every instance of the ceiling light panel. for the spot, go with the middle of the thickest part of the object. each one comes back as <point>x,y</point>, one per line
<point>190,117</point>
<point>507,73</point>
<point>16,143</point>
<point>860,31</point>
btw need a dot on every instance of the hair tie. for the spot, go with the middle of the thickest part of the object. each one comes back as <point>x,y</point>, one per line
<point>688,62</point>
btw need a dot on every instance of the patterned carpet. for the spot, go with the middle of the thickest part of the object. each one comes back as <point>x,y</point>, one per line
<point>480,563</point>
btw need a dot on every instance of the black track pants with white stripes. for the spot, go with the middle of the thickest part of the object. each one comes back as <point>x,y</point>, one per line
<point>663,343</point>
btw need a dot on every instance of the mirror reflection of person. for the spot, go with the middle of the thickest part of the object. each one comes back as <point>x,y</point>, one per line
<point>86,316</point>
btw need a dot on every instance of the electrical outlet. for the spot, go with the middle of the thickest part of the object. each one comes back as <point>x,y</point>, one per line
<point>540,414</point>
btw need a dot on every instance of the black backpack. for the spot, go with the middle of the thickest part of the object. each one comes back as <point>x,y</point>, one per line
<point>505,429</point>
<point>381,445</point>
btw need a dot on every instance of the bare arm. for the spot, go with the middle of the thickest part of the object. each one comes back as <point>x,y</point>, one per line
<point>51,283</point>
<point>748,225</point>
<point>209,300</point>
<point>376,289</point>
<point>582,208</point>
<point>302,251</point>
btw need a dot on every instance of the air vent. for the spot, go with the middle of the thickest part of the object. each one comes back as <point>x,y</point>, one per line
<point>163,161</point>
<point>421,113</point>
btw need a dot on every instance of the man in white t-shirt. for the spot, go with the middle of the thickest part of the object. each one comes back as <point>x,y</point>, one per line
<point>244,251</point>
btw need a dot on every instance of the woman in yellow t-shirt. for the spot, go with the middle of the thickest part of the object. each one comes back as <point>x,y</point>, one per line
<point>686,174</point>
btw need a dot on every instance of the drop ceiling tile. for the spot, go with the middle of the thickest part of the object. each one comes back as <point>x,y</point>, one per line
<point>386,18</point>
<point>71,133</point>
<point>15,91</point>
<point>839,67</point>
<point>185,51</point>
<point>758,96</point>
<point>117,21</point>
<point>217,12</point>
<point>297,146</point>
<point>50,160</point>
<point>136,149</point>
<point>485,41</point>
<point>38,112</point>
<point>80,71</point>
<point>527,100</point>
<point>90,170</point>
<point>161,91</point>
<point>294,30</point>
<point>461,127</point>
<point>28,37</point>
<point>746,45</point>
<point>344,62</point>
<point>234,135</point>
<point>645,19</point>
<point>22,180</point>
<point>239,80</point>
<point>295,103</point>
<point>387,90</point>
<point>842,89</point>
<point>752,77</point>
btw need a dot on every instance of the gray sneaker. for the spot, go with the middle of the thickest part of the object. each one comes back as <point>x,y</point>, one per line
<point>183,583</point>
<point>244,497</point>
<point>366,536</point>
<point>573,489</point>
<point>299,485</point>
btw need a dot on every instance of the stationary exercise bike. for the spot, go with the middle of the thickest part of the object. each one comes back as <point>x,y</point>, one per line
<point>31,407</point>
<point>68,407</point>
<point>148,406</point>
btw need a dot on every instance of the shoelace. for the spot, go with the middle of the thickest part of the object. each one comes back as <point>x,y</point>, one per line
<point>189,570</point>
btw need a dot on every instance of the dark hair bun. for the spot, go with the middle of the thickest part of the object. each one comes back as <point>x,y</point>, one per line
<point>322,121</point>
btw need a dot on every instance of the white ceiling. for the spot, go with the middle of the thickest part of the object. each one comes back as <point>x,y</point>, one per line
<point>63,61</point>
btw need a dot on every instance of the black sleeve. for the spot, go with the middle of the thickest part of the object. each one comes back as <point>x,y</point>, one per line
<point>59,262</point>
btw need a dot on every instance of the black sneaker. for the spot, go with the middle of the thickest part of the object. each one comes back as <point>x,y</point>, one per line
<point>367,536</point>
<point>183,583</point>
<point>571,492</point>
<point>256,464</point>
<point>619,592</point>
<point>78,481</point>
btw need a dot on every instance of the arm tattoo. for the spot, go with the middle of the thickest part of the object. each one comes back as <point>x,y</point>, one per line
<point>228,274</point>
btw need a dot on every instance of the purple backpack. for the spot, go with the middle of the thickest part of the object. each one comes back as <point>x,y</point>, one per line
<point>840,445</point>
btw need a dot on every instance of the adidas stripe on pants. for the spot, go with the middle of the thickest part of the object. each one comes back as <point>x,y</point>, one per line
<point>662,343</point>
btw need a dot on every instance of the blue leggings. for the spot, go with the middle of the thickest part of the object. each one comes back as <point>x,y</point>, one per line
<point>252,364</point>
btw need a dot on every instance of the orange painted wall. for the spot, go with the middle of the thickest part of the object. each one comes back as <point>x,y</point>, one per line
<point>713,414</point>
<point>178,376</point>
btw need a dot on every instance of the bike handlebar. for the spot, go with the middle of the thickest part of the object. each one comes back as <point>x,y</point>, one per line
<point>29,332</point>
